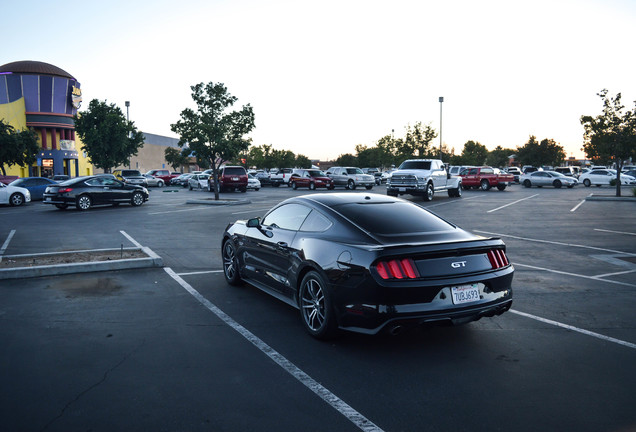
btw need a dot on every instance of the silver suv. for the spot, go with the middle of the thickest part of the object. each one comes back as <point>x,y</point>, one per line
<point>130,176</point>
<point>350,177</point>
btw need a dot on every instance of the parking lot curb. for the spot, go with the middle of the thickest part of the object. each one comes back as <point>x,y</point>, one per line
<point>593,197</point>
<point>151,260</point>
<point>212,201</point>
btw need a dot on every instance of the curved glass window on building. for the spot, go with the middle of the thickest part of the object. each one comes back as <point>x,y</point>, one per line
<point>44,98</point>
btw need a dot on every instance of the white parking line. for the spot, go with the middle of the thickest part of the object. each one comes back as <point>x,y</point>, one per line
<point>576,329</point>
<point>341,406</point>
<point>198,273</point>
<point>132,240</point>
<point>555,243</point>
<point>512,203</point>
<point>6,243</point>
<point>596,278</point>
<point>577,206</point>
<point>614,232</point>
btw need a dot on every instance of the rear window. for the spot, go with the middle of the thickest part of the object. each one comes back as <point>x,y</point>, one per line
<point>235,171</point>
<point>390,218</point>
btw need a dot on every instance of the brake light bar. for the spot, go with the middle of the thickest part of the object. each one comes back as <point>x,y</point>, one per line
<point>497,258</point>
<point>64,190</point>
<point>397,269</point>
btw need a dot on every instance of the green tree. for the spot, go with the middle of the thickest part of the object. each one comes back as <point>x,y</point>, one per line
<point>347,160</point>
<point>283,158</point>
<point>610,137</point>
<point>373,157</point>
<point>474,153</point>
<point>499,157</point>
<point>17,147</point>
<point>109,139</point>
<point>546,152</point>
<point>303,161</point>
<point>417,142</point>
<point>176,158</point>
<point>212,132</point>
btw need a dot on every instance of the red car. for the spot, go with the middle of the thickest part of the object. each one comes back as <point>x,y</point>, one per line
<point>230,179</point>
<point>310,178</point>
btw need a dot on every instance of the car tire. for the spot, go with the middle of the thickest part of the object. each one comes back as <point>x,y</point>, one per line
<point>61,206</point>
<point>137,199</point>
<point>369,187</point>
<point>243,190</point>
<point>393,194</point>
<point>587,183</point>
<point>484,185</point>
<point>189,186</point>
<point>294,186</point>
<point>430,192</point>
<point>557,184</point>
<point>160,184</point>
<point>332,187</point>
<point>16,199</point>
<point>351,185</point>
<point>526,183</point>
<point>316,308</point>
<point>230,264</point>
<point>501,187</point>
<point>83,202</point>
<point>312,186</point>
<point>256,189</point>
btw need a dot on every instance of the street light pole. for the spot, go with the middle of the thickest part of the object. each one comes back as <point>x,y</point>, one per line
<point>128,121</point>
<point>441,100</point>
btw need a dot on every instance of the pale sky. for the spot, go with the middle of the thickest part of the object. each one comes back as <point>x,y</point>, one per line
<point>324,76</point>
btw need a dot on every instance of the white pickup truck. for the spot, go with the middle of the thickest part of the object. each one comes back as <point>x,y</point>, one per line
<point>423,177</point>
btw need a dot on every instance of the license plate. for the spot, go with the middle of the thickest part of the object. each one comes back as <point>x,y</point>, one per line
<point>402,189</point>
<point>47,199</point>
<point>235,178</point>
<point>465,293</point>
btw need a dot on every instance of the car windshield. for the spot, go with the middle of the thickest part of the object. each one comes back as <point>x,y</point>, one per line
<point>316,173</point>
<point>354,171</point>
<point>421,165</point>
<point>393,218</point>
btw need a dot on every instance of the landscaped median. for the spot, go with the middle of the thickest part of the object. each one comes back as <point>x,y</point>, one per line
<point>83,261</point>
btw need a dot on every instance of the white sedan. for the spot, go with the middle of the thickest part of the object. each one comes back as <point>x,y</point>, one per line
<point>198,181</point>
<point>253,182</point>
<point>547,178</point>
<point>600,177</point>
<point>14,195</point>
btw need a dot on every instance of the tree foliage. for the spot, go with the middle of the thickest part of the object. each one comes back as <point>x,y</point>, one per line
<point>347,159</point>
<point>546,152</point>
<point>499,157</point>
<point>109,139</point>
<point>17,147</point>
<point>610,138</point>
<point>303,161</point>
<point>213,132</point>
<point>474,153</point>
<point>176,158</point>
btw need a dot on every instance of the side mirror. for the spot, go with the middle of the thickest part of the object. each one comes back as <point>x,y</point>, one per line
<point>254,223</point>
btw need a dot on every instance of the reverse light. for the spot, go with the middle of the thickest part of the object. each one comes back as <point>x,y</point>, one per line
<point>497,258</point>
<point>397,269</point>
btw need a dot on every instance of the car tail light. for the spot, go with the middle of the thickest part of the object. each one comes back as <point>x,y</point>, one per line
<point>497,258</point>
<point>397,269</point>
<point>64,190</point>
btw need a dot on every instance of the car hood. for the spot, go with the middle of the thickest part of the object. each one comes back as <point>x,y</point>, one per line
<point>416,173</point>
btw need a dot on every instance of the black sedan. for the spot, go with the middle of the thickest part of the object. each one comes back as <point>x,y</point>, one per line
<point>368,263</point>
<point>85,192</point>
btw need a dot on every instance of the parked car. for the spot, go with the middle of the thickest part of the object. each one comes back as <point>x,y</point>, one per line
<point>89,191</point>
<point>165,175</point>
<point>60,178</point>
<point>198,181</point>
<point>182,180</point>
<point>310,178</point>
<point>154,181</point>
<point>14,195</point>
<point>281,176</point>
<point>416,270</point>
<point>529,169</point>
<point>7,179</point>
<point>35,185</point>
<point>568,171</point>
<point>456,170</point>
<point>350,177</point>
<point>263,178</point>
<point>485,177</point>
<point>252,182</point>
<point>130,176</point>
<point>599,177</point>
<point>516,173</point>
<point>547,178</point>
<point>631,173</point>
<point>230,179</point>
<point>423,177</point>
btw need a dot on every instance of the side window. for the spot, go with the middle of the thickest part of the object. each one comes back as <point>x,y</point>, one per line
<point>487,171</point>
<point>473,171</point>
<point>94,182</point>
<point>289,217</point>
<point>315,222</point>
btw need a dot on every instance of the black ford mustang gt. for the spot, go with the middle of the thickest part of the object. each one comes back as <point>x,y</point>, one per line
<point>368,263</point>
<point>86,192</point>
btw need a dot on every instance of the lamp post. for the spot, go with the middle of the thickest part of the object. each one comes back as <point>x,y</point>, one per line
<point>441,100</point>
<point>127,103</point>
